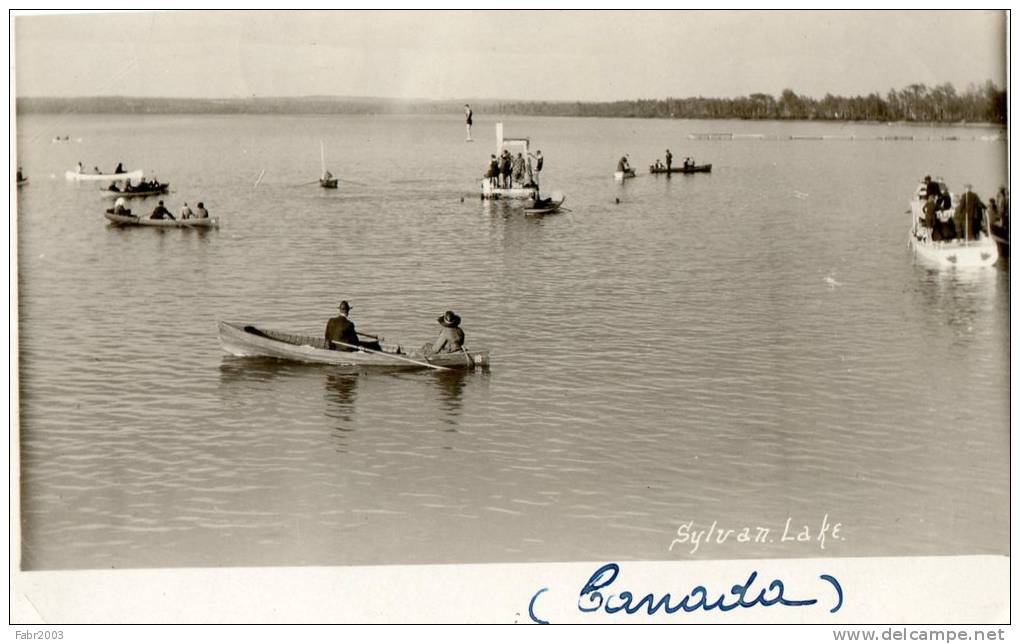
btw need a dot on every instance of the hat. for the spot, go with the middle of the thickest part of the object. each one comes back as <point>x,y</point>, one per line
<point>344,306</point>
<point>927,177</point>
<point>449,319</point>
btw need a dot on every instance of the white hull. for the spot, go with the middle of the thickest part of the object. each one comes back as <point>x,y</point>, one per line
<point>134,175</point>
<point>488,192</point>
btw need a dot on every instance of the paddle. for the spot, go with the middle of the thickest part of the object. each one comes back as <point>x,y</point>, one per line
<point>391,355</point>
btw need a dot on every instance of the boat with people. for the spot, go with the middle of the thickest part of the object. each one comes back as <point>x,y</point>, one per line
<point>79,175</point>
<point>546,206</point>
<point>939,243</point>
<point>141,190</point>
<point>522,188</point>
<point>246,340</point>
<point>620,175</point>
<point>326,179</point>
<point>126,218</point>
<point>682,169</point>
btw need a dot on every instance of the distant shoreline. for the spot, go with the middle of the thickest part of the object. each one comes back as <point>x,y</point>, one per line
<point>941,105</point>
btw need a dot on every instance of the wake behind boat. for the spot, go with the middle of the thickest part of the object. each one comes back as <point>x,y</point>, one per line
<point>251,341</point>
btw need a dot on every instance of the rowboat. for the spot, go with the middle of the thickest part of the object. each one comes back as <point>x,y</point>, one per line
<point>128,219</point>
<point>135,192</point>
<point>134,175</point>
<point>250,341</point>
<point>525,192</point>
<point>620,175</point>
<point>1000,234</point>
<point>691,169</point>
<point>545,206</point>
<point>326,180</point>
<point>955,253</point>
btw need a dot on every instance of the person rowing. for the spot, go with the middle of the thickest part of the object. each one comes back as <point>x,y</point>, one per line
<point>451,337</point>
<point>341,334</point>
<point>161,212</point>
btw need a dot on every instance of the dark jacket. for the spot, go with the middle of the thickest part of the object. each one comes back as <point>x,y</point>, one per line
<point>161,213</point>
<point>450,339</point>
<point>342,329</point>
<point>968,215</point>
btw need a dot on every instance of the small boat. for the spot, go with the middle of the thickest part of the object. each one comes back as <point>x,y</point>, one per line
<point>128,219</point>
<point>690,169</point>
<point>250,341</point>
<point>74,175</point>
<point>138,191</point>
<point>545,206</point>
<point>524,192</point>
<point>22,181</point>
<point>955,253</point>
<point>326,180</point>
<point>620,175</point>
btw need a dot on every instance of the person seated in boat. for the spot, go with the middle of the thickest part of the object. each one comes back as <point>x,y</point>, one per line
<point>113,187</point>
<point>120,169</point>
<point>688,162</point>
<point>201,212</point>
<point>969,214</point>
<point>185,211</point>
<point>96,170</point>
<point>119,207</point>
<point>79,168</point>
<point>451,337</point>
<point>160,212</point>
<point>945,199</point>
<point>21,177</point>
<point>341,334</point>
<point>622,165</point>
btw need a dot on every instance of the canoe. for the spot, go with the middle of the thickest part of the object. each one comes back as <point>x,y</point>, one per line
<point>328,183</point>
<point>691,169</point>
<point>129,194</point>
<point>134,220</point>
<point>134,175</point>
<point>545,206</point>
<point>250,341</point>
<point>620,175</point>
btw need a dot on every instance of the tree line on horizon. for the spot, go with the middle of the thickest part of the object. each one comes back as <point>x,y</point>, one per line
<point>917,102</point>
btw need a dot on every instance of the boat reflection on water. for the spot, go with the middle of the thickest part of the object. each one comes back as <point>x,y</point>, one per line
<point>965,298</point>
<point>341,390</point>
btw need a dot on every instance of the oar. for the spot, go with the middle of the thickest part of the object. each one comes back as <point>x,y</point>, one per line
<point>391,355</point>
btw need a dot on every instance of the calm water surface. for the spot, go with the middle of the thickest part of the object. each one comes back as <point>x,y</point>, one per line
<point>675,357</point>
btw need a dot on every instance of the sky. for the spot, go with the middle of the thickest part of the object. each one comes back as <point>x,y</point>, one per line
<point>524,55</point>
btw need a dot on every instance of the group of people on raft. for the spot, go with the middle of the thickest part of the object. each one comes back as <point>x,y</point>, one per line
<point>508,171</point>
<point>965,219</point>
<point>341,334</point>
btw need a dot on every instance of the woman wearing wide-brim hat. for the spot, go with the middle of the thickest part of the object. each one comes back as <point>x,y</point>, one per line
<point>451,337</point>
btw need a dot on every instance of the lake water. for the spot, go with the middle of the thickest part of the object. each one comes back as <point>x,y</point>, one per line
<point>677,357</point>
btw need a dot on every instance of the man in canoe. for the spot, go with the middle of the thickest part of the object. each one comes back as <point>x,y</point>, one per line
<point>451,338</point>
<point>622,165</point>
<point>201,212</point>
<point>161,212</point>
<point>341,334</point>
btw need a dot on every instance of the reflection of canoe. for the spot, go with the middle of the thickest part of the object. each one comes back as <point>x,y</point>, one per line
<point>691,169</point>
<point>129,219</point>
<point>545,206</point>
<point>247,340</point>
<point>163,187</point>
<point>134,175</point>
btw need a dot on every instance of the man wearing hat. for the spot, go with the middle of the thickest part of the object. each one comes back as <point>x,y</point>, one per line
<point>969,213</point>
<point>450,339</point>
<point>341,330</point>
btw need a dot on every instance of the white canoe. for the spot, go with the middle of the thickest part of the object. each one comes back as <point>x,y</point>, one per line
<point>250,341</point>
<point>620,175</point>
<point>134,175</point>
<point>133,220</point>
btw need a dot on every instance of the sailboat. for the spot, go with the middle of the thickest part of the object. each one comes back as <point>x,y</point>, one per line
<point>326,180</point>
